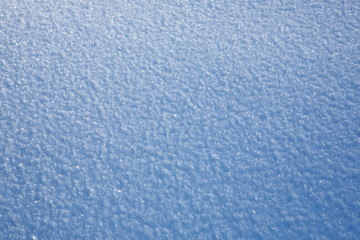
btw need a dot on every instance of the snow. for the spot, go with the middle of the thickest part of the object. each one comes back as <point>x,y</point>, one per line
<point>179,119</point>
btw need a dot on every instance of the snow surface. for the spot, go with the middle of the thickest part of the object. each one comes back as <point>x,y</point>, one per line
<point>179,119</point>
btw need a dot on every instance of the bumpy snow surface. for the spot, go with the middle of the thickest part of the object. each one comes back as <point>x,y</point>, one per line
<point>179,119</point>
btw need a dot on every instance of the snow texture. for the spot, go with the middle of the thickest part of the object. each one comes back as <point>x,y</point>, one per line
<point>185,119</point>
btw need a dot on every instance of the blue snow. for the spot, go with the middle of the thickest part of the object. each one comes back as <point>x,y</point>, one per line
<point>195,119</point>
